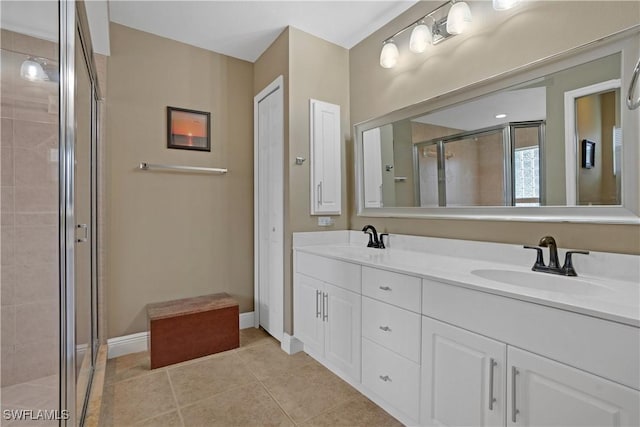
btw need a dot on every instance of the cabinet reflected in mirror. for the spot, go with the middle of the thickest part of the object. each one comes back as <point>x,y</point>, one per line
<point>518,146</point>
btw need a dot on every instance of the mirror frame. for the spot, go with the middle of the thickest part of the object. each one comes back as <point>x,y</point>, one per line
<point>627,43</point>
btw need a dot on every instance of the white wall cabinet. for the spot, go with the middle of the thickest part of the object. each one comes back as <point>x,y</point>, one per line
<point>325,161</point>
<point>463,377</point>
<point>327,320</point>
<point>542,392</point>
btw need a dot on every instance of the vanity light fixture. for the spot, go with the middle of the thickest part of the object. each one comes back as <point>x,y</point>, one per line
<point>504,4</point>
<point>446,20</point>
<point>37,69</point>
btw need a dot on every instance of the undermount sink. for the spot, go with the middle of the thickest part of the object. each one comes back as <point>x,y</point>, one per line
<point>543,281</point>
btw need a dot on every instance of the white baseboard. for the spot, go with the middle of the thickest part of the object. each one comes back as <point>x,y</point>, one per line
<point>290,344</point>
<point>135,343</point>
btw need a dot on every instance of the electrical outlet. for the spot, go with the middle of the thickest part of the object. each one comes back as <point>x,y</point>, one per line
<point>325,221</point>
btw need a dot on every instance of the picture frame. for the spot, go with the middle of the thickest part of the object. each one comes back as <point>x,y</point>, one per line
<point>588,154</point>
<point>188,129</point>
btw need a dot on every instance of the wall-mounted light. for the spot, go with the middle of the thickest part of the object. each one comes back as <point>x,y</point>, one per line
<point>447,20</point>
<point>37,69</point>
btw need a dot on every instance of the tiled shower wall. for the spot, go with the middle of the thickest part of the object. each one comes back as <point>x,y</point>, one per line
<point>29,215</point>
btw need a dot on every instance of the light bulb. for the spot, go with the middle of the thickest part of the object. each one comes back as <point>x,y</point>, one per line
<point>420,38</point>
<point>504,4</point>
<point>389,55</point>
<point>458,18</point>
<point>32,70</point>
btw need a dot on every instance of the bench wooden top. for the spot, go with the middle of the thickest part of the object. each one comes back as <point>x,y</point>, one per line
<point>181,307</point>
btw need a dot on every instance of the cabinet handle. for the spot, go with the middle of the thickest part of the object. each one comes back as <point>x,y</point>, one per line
<point>320,193</point>
<point>385,288</point>
<point>385,378</point>
<point>385,328</point>
<point>325,308</point>
<point>514,409</point>
<point>317,303</point>
<point>492,400</point>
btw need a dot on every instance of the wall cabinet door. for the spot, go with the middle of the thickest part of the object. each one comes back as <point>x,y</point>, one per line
<point>542,392</point>
<point>307,313</point>
<point>326,151</point>
<point>463,377</point>
<point>342,339</point>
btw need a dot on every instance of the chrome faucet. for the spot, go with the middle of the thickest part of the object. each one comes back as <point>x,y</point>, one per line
<point>374,241</point>
<point>554,264</point>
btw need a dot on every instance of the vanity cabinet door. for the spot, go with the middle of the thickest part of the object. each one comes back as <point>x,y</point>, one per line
<point>342,341</point>
<point>307,313</point>
<point>542,392</point>
<point>463,377</point>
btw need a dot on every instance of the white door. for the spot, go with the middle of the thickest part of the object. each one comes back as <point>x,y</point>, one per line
<point>542,392</point>
<point>372,164</point>
<point>269,208</point>
<point>463,377</point>
<point>308,314</point>
<point>342,332</point>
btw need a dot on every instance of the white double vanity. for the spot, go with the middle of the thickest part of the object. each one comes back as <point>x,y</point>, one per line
<point>459,333</point>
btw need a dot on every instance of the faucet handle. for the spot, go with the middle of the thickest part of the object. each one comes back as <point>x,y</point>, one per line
<point>567,268</point>
<point>381,238</point>
<point>539,257</point>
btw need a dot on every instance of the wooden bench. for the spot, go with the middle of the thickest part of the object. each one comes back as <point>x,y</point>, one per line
<point>189,328</point>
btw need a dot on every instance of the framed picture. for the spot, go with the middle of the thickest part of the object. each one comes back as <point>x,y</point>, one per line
<point>188,129</point>
<point>588,154</point>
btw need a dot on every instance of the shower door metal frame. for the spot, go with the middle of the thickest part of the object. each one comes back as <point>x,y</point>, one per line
<point>73,18</point>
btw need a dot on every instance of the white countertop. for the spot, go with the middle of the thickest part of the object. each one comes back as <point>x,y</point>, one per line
<point>615,300</point>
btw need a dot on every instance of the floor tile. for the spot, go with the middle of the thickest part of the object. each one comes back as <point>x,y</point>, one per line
<point>308,391</point>
<point>358,412</point>
<point>249,405</point>
<point>171,419</point>
<point>269,360</point>
<point>255,336</point>
<point>198,380</point>
<point>127,367</point>
<point>127,402</point>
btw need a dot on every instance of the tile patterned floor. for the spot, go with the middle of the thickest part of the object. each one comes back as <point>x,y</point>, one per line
<point>35,395</point>
<point>257,384</point>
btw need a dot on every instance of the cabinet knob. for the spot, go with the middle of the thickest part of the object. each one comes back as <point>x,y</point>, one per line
<point>385,328</point>
<point>385,378</point>
<point>385,288</point>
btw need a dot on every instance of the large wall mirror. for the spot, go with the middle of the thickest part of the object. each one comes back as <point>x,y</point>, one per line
<point>552,141</point>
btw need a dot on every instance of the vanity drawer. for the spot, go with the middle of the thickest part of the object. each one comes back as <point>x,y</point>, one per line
<point>392,327</point>
<point>394,288</point>
<point>343,274</point>
<point>392,377</point>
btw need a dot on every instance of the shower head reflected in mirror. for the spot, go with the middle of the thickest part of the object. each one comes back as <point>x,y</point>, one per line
<point>37,69</point>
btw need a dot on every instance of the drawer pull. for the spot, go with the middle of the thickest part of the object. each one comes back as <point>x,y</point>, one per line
<point>318,313</point>
<point>492,399</point>
<point>385,328</point>
<point>385,288</point>
<point>385,378</point>
<point>514,407</point>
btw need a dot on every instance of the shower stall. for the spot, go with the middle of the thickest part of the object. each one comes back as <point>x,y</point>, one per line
<point>49,106</point>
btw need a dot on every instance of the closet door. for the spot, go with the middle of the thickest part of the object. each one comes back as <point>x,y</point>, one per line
<point>326,170</point>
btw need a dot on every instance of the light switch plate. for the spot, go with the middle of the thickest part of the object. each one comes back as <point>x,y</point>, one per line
<point>325,221</point>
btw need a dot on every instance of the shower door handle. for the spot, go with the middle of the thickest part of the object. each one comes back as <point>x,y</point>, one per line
<point>631,103</point>
<point>85,237</point>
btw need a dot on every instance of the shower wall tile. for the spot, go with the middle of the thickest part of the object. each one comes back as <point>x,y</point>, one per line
<point>6,132</point>
<point>35,245</point>
<point>36,198</point>
<point>27,134</point>
<point>7,166</point>
<point>7,205</point>
<point>8,236</point>
<point>35,47</point>
<point>7,371</point>
<point>31,321</point>
<point>38,283</point>
<point>36,218</point>
<point>33,362</point>
<point>7,284</point>
<point>32,167</point>
<point>6,39</point>
<point>8,318</point>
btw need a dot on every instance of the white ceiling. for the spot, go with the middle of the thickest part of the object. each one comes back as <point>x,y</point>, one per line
<point>244,29</point>
<point>518,105</point>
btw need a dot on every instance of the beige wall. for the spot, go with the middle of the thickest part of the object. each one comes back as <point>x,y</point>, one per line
<point>312,68</point>
<point>495,43</point>
<point>174,235</point>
